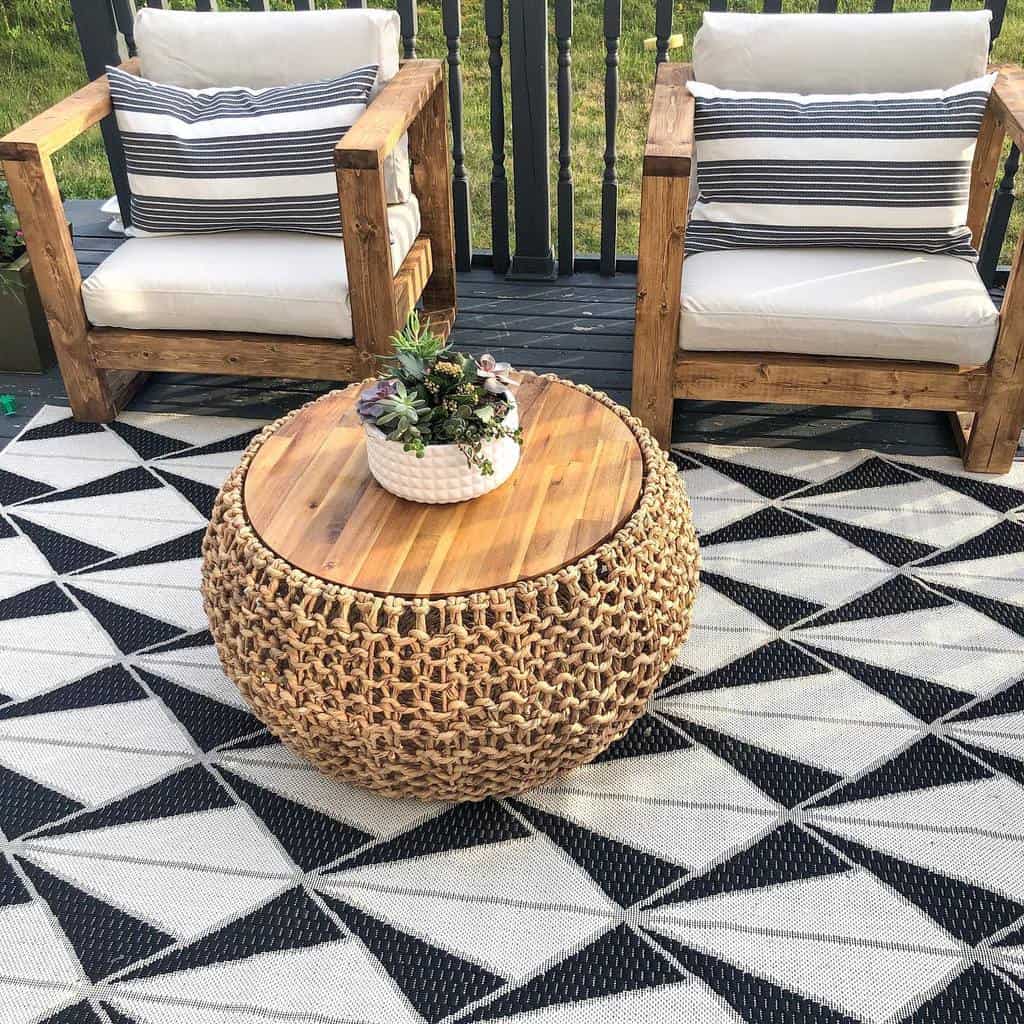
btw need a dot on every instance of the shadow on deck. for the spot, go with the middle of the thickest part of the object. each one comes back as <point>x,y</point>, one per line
<point>579,327</point>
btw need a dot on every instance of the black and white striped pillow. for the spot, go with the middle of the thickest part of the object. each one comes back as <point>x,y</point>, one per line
<point>235,159</point>
<point>885,170</point>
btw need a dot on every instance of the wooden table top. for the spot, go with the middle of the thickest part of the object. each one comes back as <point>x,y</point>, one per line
<point>309,495</point>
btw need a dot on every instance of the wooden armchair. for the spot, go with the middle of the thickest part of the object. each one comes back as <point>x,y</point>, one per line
<point>986,402</point>
<point>102,366</point>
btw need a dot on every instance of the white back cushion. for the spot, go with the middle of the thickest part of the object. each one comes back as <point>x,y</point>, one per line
<point>841,53</point>
<point>260,49</point>
<point>257,49</point>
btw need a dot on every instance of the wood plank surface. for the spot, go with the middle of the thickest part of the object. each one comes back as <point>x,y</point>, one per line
<point>766,377</point>
<point>262,355</point>
<point>377,131</point>
<point>311,498</point>
<point>1008,100</point>
<point>669,149</point>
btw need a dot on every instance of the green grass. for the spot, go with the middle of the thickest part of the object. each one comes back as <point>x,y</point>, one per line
<point>40,62</point>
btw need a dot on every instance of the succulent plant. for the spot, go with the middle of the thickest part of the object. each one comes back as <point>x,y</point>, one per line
<point>369,405</point>
<point>495,374</point>
<point>435,395</point>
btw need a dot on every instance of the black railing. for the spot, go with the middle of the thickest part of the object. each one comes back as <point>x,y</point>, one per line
<point>520,27</point>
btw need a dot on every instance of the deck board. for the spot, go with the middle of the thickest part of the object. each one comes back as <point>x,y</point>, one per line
<point>580,327</point>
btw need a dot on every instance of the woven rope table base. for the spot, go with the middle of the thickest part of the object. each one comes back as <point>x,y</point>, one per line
<point>456,697</point>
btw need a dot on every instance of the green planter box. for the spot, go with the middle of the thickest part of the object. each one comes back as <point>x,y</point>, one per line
<point>25,345</point>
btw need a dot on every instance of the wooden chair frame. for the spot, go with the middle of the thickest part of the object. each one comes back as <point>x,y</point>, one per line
<point>986,403</point>
<point>102,366</point>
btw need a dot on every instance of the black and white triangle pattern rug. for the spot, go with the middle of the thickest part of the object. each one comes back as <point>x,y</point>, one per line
<point>821,819</point>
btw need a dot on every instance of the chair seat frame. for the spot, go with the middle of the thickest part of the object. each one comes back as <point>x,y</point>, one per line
<point>985,403</point>
<point>103,366</point>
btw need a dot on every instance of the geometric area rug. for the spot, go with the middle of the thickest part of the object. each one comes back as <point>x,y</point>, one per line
<point>820,819</point>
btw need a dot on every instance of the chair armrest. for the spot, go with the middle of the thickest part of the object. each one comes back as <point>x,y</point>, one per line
<point>1008,100</point>
<point>669,149</point>
<point>65,120</point>
<point>378,129</point>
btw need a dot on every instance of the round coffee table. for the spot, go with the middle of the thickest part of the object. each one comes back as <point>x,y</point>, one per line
<point>452,652</point>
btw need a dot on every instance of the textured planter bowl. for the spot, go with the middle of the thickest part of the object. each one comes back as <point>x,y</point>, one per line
<point>442,475</point>
<point>25,345</point>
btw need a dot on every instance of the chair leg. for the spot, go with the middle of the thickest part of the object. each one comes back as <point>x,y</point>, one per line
<point>989,440</point>
<point>90,394</point>
<point>659,276</point>
<point>94,393</point>
<point>993,437</point>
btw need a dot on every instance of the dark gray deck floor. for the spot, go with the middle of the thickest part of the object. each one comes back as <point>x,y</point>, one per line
<point>580,327</point>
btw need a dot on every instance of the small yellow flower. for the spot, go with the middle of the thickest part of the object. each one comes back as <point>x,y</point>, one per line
<point>447,369</point>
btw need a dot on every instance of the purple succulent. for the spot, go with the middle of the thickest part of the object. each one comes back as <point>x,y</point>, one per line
<point>494,375</point>
<point>368,406</point>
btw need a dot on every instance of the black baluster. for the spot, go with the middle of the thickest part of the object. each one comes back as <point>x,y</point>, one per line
<point>355,3</point>
<point>304,5</point>
<point>494,26</point>
<point>662,29</point>
<point>771,6</point>
<point>998,220</point>
<point>941,5</point>
<point>998,9</point>
<point>98,36</point>
<point>259,5</point>
<point>566,203</point>
<point>124,16</point>
<point>827,6</point>
<point>206,5</point>
<point>451,19</point>
<point>161,4</point>
<point>717,5</point>
<point>407,16</point>
<point>610,184</point>
<point>533,258</point>
<point>883,6</point>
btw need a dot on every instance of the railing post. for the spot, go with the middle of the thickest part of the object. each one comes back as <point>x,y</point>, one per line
<point>566,202</point>
<point>662,30</point>
<point>124,20</point>
<point>528,55</point>
<point>610,184</point>
<point>102,45</point>
<point>494,25</point>
<point>998,9</point>
<point>407,16</point>
<point>451,23</point>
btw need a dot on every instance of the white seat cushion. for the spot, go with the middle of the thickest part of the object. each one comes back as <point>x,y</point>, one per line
<point>841,53</point>
<point>261,49</point>
<point>874,303</point>
<point>262,281</point>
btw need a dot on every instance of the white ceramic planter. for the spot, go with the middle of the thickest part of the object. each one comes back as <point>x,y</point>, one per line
<point>442,475</point>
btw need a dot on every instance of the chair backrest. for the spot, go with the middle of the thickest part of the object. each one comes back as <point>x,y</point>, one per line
<point>260,49</point>
<point>266,48</point>
<point>841,53</point>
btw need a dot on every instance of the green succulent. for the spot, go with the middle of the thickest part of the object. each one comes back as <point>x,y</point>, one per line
<point>417,348</point>
<point>401,413</point>
<point>433,395</point>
